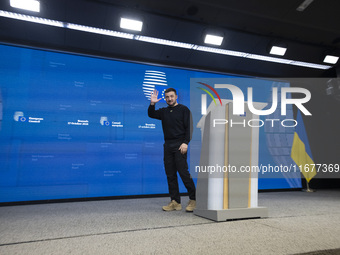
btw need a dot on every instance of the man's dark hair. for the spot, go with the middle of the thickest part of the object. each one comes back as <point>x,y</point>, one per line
<point>169,90</point>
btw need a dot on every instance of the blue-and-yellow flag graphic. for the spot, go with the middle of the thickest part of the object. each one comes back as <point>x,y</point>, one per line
<point>301,153</point>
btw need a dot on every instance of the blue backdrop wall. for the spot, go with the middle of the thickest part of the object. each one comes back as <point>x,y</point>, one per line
<point>77,126</point>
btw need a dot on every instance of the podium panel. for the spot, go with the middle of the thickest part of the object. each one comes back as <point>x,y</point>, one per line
<point>229,146</point>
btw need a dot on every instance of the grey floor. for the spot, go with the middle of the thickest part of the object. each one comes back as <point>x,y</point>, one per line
<point>298,222</point>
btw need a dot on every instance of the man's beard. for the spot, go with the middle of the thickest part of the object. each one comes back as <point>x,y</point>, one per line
<point>172,103</point>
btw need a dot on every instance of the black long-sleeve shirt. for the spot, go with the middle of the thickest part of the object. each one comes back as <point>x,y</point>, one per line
<point>176,122</point>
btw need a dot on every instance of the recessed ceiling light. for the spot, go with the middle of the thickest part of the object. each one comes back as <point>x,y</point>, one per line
<point>213,39</point>
<point>304,5</point>
<point>31,5</point>
<point>131,24</point>
<point>277,50</point>
<point>331,59</point>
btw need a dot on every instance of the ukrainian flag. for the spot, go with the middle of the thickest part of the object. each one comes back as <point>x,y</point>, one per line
<point>301,153</point>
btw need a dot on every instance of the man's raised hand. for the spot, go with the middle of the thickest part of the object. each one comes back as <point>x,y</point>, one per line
<point>154,97</point>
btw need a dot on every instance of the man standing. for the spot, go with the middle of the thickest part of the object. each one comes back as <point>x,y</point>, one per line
<point>176,123</point>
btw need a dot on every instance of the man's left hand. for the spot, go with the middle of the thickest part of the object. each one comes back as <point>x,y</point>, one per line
<point>183,148</point>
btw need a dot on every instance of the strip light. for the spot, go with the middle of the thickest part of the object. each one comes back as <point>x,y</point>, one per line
<point>33,19</point>
<point>221,51</point>
<point>99,31</point>
<point>164,42</point>
<point>159,40</point>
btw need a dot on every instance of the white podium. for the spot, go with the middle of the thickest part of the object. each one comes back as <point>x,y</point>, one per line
<point>224,192</point>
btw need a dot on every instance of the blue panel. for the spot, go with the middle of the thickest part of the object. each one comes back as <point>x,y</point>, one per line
<point>75,126</point>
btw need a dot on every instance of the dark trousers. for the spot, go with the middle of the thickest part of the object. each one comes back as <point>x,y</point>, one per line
<point>175,162</point>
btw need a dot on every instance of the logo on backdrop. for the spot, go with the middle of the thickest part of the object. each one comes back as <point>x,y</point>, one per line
<point>20,117</point>
<point>154,80</point>
<point>105,122</point>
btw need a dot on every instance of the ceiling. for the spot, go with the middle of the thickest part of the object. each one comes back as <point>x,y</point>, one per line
<point>247,25</point>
